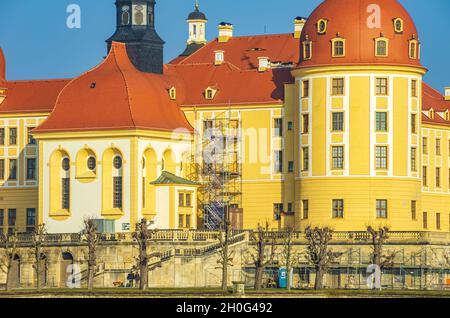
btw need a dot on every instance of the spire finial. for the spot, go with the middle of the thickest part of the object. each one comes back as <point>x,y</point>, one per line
<point>196,5</point>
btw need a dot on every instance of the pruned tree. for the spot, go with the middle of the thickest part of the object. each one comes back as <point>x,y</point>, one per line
<point>265,248</point>
<point>38,238</point>
<point>225,256</point>
<point>8,245</point>
<point>92,238</point>
<point>288,253</point>
<point>319,255</point>
<point>142,235</point>
<point>378,239</point>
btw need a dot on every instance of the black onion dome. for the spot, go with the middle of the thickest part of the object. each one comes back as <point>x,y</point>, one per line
<point>197,14</point>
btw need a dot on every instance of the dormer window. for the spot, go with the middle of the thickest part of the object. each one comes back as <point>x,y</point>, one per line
<point>431,113</point>
<point>210,93</point>
<point>307,49</point>
<point>172,93</point>
<point>413,45</point>
<point>447,115</point>
<point>322,25</point>
<point>338,47</point>
<point>398,25</point>
<point>381,47</point>
<point>125,15</point>
<point>219,57</point>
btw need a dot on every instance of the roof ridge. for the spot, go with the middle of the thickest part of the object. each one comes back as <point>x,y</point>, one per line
<point>113,51</point>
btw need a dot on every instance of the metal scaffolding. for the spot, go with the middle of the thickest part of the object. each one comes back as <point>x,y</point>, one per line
<point>217,167</point>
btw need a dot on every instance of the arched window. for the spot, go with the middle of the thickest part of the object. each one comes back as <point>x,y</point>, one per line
<point>194,29</point>
<point>117,182</point>
<point>65,184</point>
<point>139,15</point>
<point>125,15</point>
<point>413,44</point>
<point>150,17</point>
<point>307,49</point>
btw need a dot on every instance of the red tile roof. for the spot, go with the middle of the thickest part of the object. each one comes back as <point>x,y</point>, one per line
<point>234,86</point>
<point>348,18</point>
<point>115,95</point>
<point>31,96</point>
<point>432,99</point>
<point>243,51</point>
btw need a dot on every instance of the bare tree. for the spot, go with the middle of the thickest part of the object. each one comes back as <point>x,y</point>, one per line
<point>320,256</point>
<point>8,243</point>
<point>225,257</point>
<point>262,238</point>
<point>38,238</point>
<point>288,254</point>
<point>142,236</point>
<point>92,237</point>
<point>378,239</point>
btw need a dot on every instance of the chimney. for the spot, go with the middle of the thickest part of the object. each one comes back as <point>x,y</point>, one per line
<point>225,32</point>
<point>263,64</point>
<point>219,57</point>
<point>299,23</point>
<point>447,93</point>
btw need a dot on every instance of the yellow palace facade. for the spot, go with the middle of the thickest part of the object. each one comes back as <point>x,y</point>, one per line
<point>323,126</point>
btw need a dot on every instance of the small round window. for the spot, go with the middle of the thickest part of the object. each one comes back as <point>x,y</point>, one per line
<point>117,162</point>
<point>66,164</point>
<point>91,163</point>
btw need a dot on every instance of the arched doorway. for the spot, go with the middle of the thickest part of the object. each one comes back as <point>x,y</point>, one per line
<point>65,271</point>
<point>14,274</point>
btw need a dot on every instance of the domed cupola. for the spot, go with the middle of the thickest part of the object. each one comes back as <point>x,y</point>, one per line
<point>116,96</point>
<point>197,14</point>
<point>197,31</point>
<point>359,32</point>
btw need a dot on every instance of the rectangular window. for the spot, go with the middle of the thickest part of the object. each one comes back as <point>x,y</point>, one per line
<point>291,166</point>
<point>438,177</point>
<point>338,86</point>
<point>381,153</point>
<point>337,157</point>
<point>65,190</point>
<point>13,169</point>
<point>338,209</point>
<point>277,209</point>
<point>425,145</point>
<point>381,121</point>
<point>2,217</point>
<point>290,125</point>
<point>307,50</point>
<point>31,169</point>
<point>278,164</point>
<point>117,196</point>
<point>413,159</point>
<point>438,221</point>
<point>381,48</point>
<point>425,176</point>
<point>381,86</point>
<point>289,209</point>
<point>12,213</point>
<point>181,199</point>
<point>414,88</point>
<point>278,127</point>
<point>305,93</point>
<point>382,209</point>
<point>414,123</point>
<point>31,220</point>
<point>2,136</point>
<point>2,169</point>
<point>414,210</point>
<point>425,220</point>
<point>438,147</point>
<point>305,166</point>
<point>338,48</point>
<point>207,126</point>
<point>188,200</point>
<point>188,221</point>
<point>305,126</point>
<point>13,136</point>
<point>180,220</point>
<point>305,209</point>
<point>338,121</point>
<point>31,140</point>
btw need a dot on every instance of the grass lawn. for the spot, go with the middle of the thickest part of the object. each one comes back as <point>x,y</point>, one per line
<point>217,293</point>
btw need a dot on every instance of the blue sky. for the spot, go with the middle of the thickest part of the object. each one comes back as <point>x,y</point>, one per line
<point>37,43</point>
